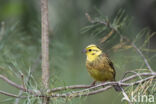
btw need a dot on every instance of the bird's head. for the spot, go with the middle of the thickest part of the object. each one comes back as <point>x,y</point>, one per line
<point>92,52</point>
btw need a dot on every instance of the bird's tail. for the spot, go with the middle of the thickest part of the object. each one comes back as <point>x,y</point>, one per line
<point>117,88</point>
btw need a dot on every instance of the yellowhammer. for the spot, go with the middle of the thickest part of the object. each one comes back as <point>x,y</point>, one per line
<point>99,65</point>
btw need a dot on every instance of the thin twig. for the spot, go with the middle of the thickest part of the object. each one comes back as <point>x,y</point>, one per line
<point>70,87</point>
<point>20,92</point>
<point>126,73</point>
<point>11,95</point>
<point>17,99</point>
<point>22,79</point>
<point>12,83</point>
<point>107,36</point>
<point>73,94</point>
<point>2,30</point>
<point>34,67</point>
<point>141,54</point>
<point>125,96</point>
<point>17,86</point>
<point>106,23</point>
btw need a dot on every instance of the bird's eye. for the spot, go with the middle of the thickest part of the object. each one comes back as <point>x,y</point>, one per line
<point>89,50</point>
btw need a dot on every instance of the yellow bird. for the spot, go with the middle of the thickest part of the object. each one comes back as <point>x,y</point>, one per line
<point>99,66</point>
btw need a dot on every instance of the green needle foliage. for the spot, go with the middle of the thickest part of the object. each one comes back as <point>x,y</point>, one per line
<point>20,44</point>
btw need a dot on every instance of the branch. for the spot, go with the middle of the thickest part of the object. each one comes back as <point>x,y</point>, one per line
<point>70,87</point>
<point>2,30</point>
<point>45,47</point>
<point>45,43</point>
<point>107,36</point>
<point>34,67</point>
<point>125,96</point>
<point>12,83</point>
<point>81,92</point>
<point>11,95</point>
<point>91,90</point>
<point>17,99</point>
<point>17,86</point>
<point>106,23</point>
<point>88,86</point>
<point>141,54</point>
<point>109,85</point>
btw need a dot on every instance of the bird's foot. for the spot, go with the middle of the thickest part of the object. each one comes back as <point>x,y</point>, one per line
<point>93,83</point>
<point>103,85</point>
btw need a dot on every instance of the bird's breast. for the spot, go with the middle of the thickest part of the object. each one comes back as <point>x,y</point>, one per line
<point>99,70</point>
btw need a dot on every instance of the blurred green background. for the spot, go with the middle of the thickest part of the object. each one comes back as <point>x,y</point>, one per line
<point>20,42</point>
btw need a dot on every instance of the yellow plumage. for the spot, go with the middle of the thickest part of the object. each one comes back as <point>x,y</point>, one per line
<point>99,65</point>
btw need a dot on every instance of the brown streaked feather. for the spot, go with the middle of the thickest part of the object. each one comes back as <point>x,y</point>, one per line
<point>110,63</point>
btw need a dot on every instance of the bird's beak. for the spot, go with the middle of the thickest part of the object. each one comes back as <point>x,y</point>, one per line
<point>84,51</point>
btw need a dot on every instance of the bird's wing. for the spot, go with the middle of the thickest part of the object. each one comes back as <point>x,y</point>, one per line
<point>110,63</point>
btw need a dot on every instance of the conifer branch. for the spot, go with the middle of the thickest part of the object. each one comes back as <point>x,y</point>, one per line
<point>86,89</point>
<point>11,95</point>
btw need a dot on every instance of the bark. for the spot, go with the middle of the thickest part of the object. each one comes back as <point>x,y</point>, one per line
<point>45,46</point>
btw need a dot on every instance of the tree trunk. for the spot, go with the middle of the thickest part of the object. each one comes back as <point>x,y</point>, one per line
<point>45,46</point>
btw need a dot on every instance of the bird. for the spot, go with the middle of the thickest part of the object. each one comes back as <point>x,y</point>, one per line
<point>99,65</point>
